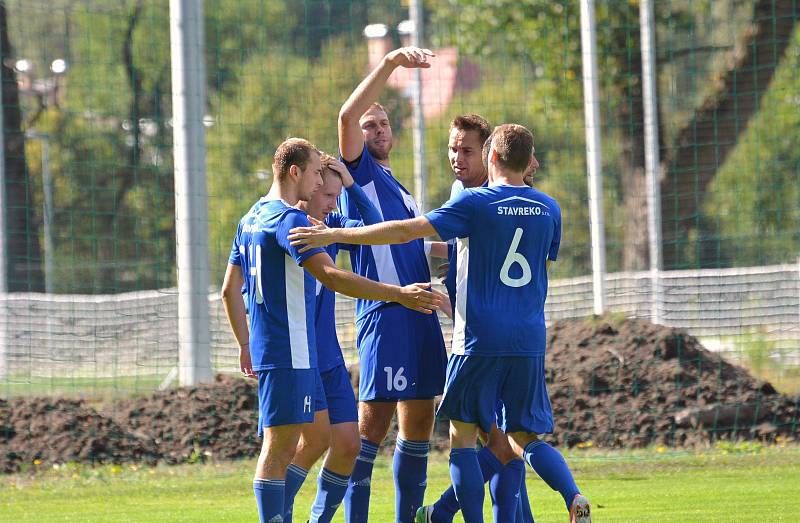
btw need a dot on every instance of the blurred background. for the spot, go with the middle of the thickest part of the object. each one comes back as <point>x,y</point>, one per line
<point>90,288</point>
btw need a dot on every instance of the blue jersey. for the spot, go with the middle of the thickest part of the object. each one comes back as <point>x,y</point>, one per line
<point>253,210</point>
<point>450,277</point>
<point>505,235</point>
<point>280,294</point>
<point>395,264</point>
<point>328,349</point>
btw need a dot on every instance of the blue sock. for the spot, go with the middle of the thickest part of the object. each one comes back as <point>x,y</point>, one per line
<point>356,499</point>
<point>552,468</point>
<point>295,476</point>
<point>410,468</point>
<point>269,498</point>
<point>505,491</point>
<point>330,492</point>
<point>446,507</point>
<point>524,514</point>
<point>465,473</point>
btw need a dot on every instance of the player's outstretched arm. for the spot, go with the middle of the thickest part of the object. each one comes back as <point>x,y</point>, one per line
<point>415,297</point>
<point>351,140</point>
<point>395,231</point>
<point>237,317</point>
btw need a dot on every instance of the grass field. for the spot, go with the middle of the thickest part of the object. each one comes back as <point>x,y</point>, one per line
<point>728,483</point>
<point>119,387</point>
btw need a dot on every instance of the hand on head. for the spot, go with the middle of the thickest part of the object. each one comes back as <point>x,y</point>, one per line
<point>341,170</point>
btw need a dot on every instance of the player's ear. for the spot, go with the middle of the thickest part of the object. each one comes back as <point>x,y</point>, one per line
<point>294,172</point>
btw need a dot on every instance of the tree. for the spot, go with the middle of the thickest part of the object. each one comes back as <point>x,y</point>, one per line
<point>23,255</point>
<point>713,132</point>
<point>546,33</point>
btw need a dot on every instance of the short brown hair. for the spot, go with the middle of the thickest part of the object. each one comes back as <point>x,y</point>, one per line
<point>327,160</point>
<point>472,122</point>
<point>293,151</point>
<point>513,144</point>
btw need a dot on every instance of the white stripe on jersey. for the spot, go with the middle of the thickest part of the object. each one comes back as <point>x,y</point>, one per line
<point>296,313</point>
<point>460,314</point>
<point>384,263</point>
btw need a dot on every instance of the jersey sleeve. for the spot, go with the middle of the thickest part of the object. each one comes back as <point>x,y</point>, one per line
<point>337,220</point>
<point>235,256</point>
<point>362,168</point>
<point>556,242</point>
<point>454,218</point>
<point>290,220</point>
<point>369,213</point>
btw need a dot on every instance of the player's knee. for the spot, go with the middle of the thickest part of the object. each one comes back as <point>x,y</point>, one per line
<point>498,443</point>
<point>502,450</point>
<point>314,445</point>
<point>374,421</point>
<point>520,440</point>
<point>347,448</point>
<point>373,433</point>
<point>416,418</point>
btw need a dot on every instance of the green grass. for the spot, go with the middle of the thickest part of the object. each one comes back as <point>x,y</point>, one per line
<point>99,388</point>
<point>729,483</point>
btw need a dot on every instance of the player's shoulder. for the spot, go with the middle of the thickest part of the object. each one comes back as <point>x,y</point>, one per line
<point>291,214</point>
<point>549,200</point>
<point>271,213</point>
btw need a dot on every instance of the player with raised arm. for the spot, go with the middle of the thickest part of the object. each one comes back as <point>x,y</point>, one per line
<point>279,347</point>
<point>500,466</point>
<point>402,354</point>
<point>337,426</point>
<point>506,233</point>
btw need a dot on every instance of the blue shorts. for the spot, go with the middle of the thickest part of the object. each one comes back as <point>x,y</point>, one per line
<point>401,355</point>
<point>288,396</point>
<point>508,390</point>
<point>339,395</point>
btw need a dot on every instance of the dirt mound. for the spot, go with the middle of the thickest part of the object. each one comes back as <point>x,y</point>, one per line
<point>632,383</point>
<point>192,423</point>
<point>175,426</point>
<point>47,431</point>
<point>616,384</point>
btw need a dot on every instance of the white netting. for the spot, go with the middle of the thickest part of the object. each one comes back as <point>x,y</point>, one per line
<point>135,334</point>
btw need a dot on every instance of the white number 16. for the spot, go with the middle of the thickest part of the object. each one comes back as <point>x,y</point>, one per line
<point>396,382</point>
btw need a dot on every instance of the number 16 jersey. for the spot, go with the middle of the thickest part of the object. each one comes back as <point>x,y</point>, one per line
<point>505,235</point>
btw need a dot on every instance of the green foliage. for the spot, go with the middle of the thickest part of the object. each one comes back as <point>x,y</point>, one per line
<point>277,68</point>
<point>754,204</point>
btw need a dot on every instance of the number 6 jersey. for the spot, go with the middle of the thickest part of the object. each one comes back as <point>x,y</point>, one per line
<point>505,235</point>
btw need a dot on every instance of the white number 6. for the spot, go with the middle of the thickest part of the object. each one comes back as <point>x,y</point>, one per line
<point>512,257</point>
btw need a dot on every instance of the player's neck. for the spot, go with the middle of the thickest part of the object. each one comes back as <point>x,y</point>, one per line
<point>508,179</point>
<point>283,191</point>
<point>478,183</point>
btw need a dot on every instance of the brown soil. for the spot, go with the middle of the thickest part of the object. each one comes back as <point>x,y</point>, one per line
<point>625,384</point>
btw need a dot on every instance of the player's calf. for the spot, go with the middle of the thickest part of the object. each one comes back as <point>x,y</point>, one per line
<point>277,449</point>
<point>335,474</point>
